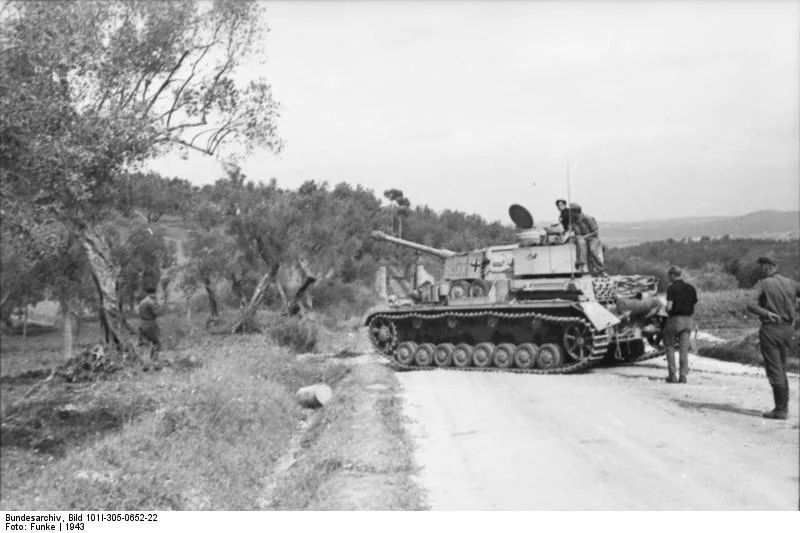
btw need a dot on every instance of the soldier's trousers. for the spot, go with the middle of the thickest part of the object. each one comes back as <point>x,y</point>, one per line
<point>776,343</point>
<point>678,330</point>
<point>591,249</point>
<point>150,335</point>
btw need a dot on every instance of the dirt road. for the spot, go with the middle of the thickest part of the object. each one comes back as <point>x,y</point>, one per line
<point>612,439</point>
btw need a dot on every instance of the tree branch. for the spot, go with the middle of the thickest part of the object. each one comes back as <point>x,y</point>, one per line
<point>166,82</point>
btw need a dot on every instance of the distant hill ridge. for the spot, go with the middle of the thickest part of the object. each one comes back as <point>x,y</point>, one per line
<point>769,224</point>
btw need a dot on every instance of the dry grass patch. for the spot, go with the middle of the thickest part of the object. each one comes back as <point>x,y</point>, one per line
<point>197,436</point>
<point>358,455</point>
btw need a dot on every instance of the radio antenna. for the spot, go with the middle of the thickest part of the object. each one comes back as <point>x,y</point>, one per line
<point>571,228</point>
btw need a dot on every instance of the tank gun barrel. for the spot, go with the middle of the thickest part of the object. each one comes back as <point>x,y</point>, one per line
<point>438,252</point>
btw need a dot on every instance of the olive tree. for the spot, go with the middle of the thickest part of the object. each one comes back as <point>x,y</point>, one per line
<point>90,90</point>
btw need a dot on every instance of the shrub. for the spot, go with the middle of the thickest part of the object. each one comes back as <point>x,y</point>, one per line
<point>300,335</point>
<point>712,277</point>
<point>343,300</point>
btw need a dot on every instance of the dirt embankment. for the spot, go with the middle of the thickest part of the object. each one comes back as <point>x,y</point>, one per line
<point>355,454</point>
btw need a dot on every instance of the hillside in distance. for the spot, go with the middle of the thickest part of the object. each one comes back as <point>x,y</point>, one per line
<point>778,225</point>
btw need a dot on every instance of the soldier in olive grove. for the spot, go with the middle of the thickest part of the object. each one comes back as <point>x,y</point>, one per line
<point>149,332</point>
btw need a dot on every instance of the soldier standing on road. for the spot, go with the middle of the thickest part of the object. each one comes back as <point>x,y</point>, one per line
<point>681,299</point>
<point>774,300</point>
<point>149,333</point>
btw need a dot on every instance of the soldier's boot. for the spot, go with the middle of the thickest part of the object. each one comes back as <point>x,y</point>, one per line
<point>671,379</point>
<point>781,411</point>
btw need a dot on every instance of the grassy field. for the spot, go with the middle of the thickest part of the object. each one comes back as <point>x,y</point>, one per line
<point>723,314</point>
<point>208,431</point>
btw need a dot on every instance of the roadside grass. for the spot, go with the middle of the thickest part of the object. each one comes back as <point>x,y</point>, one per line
<point>357,456</point>
<point>201,434</point>
<point>724,310</point>
<point>211,430</point>
<point>723,313</point>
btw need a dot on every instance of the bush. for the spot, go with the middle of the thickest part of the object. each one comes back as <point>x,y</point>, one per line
<point>712,277</point>
<point>300,335</point>
<point>343,300</point>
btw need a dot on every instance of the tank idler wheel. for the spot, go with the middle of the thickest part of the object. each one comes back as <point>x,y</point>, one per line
<point>443,355</point>
<point>503,356</point>
<point>478,287</point>
<point>549,356</point>
<point>458,290</point>
<point>482,354</point>
<point>382,334</point>
<point>462,355</point>
<point>578,341</point>
<point>405,353</point>
<point>424,354</point>
<point>525,355</point>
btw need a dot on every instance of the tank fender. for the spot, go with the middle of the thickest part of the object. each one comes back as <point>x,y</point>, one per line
<point>600,317</point>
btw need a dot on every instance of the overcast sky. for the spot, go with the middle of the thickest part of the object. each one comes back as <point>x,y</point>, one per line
<point>660,109</point>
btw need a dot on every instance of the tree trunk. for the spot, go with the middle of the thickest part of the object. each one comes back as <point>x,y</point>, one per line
<point>66,316</point>
<point>212,299</point>
<point>296,305</point>
<point>25,324</point>
<point>236,287</point>
<point>117,333</point>
<point>258,294</point>
<point>281,293</point>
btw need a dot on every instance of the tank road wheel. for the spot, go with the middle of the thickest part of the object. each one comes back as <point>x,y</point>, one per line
<point>458,290</point>
<point>525,355</point>
<point>383,335</point>
<point>462,355</point>
<point>424,354</point>
<point>549,356</point>
<point>478,287</point>
<point>503,356</point>
<point>443,356</point>
<point>482,354</point>
<point>578,341</point>
<point>405,353</point>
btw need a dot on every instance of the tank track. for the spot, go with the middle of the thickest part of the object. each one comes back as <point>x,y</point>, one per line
<point>600,341</point>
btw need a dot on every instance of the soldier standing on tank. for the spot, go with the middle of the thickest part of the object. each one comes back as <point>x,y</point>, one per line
<point>774,300</point>
<point>149,333</point>
<point>563,213</point>
<point>681,299</point>
<point>587,238</point>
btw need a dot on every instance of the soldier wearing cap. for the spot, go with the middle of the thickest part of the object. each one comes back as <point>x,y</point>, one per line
<point>774,300</point>
<point>681,299</point>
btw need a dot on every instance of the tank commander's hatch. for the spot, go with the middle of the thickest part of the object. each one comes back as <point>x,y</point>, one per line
<point>521,217</point>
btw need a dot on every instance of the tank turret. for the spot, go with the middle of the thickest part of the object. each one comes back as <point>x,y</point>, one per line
<point>521,305</point>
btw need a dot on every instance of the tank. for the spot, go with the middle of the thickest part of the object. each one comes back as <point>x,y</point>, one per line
<point>519,307</point>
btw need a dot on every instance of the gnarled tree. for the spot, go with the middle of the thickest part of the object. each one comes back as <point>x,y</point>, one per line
<point>91,89</point>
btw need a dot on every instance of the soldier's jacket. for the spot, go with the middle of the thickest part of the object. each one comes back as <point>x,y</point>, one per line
<point>584,225</point>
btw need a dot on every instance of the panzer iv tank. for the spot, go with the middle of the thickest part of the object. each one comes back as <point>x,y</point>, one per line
<point>521,307</point>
